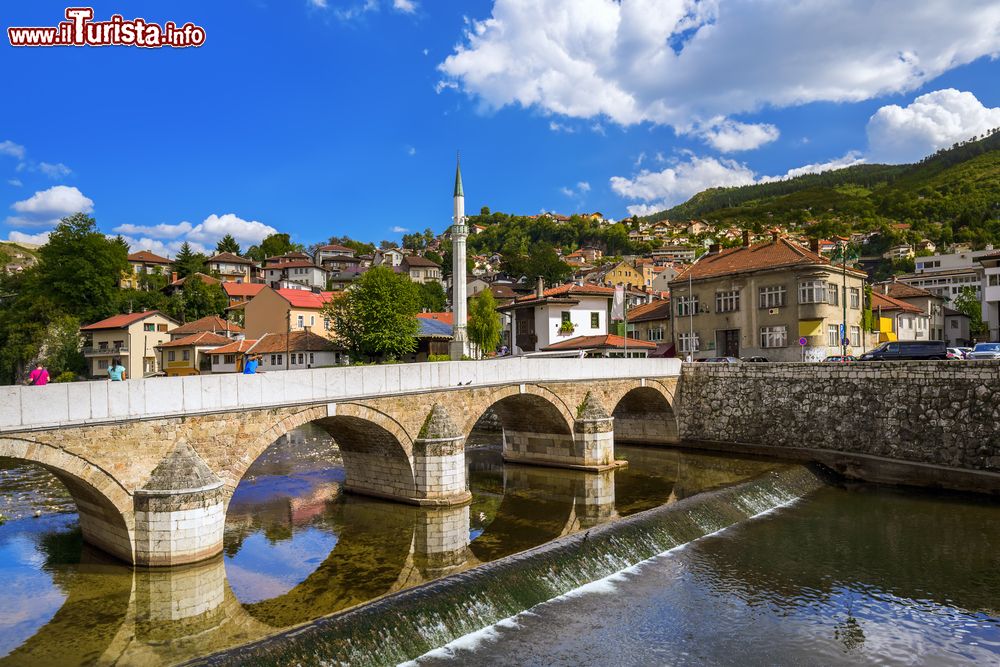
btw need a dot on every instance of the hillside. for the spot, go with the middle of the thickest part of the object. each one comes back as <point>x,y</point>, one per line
<point>953,195</point>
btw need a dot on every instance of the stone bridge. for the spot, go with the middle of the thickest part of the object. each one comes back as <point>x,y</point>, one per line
<point>152,464</point>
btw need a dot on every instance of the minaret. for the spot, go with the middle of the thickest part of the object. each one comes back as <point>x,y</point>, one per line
<point>459,232</point>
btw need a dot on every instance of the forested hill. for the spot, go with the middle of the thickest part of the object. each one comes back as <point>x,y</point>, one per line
<point>951,195</point>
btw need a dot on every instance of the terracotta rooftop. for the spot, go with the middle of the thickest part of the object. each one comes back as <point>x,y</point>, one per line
<point>203,339</point>
<point>236,347</point>
<point>297,341</point>
<point>231,258</point>
<point>774,254</point>
<point>242,289</point>
<point>568,292</point>
<point>600,342</point>
<point>121,321</point>
<point>211,323</point>
<point>657,310</point>
<point>883,302</point>
<point>447,318</point>
<point>333,247</point>
<point>207,279</point>
<point>417,260</point>
<point>148,257</point>
<point>301,298</point>
<point>898,290</point>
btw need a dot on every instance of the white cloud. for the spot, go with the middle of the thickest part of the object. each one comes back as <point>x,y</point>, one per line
<point>54,171</point>
<point>583,186</point>
<point>166,239</point>
<point>162,231</point>
<point>8,147</point>
<point>21,237</point>
<point>560,127</point>
<point>932,121</point>
<point>162,247</point>
<point>411,151</point>
<point>426,52</point>
<point>581,189</point>
<point>405,6</point>
<point>684,62</point>
<point>728,136</point>
<point>680,181</point>
<point>849,160</point>
<point>399,230</point>
<point>14,182</point>
<point>246,232</point>
<point>46,207</point>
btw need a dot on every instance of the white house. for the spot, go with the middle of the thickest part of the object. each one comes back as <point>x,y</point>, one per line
<point>302,272</point>
<point>560,313</point>
<point>391,257</point>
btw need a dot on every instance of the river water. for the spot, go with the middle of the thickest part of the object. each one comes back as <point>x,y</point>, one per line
<point>846,575</point>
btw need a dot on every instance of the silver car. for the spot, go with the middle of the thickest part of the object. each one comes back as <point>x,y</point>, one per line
<point>985,351</point>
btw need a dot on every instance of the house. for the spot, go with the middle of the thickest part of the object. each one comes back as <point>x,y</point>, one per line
<point>696,227</point>
<point>391,257</point>
<point>17,257</point>
<point>900,251</point>
<point>898,320</point>
<point>210,324</point>
<point>178,284</point>
<point>673,253</point>
<point>325,252</point>
<point>606,345</point>
<point>341,280</point>
<point>990,290</point>
<point>948,275</point>
<point>433,338</point>
<point>765,299</point>
<point>284,310</point>
<point>144,263</point>
<point>662,278</point>
<point>477,229</point>
<point>231,268</point>
<point>931,304</point>
<point>627,273</point>
<point>279,352</point>
<point>296,271</point>
<point>241,292</point>
<point>420,269</point>
<point>340,263</point>
<point>189,355</point>
<point>957,327</point>
<point>650,322</point>
<point>926,245</point>
<point>131,337</point>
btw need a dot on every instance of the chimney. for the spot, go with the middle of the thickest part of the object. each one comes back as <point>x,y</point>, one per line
<point>774,235</point>
<point>540,287</point>
<point>713,249</point>
<point>746,238</point>
<point>814,245</point>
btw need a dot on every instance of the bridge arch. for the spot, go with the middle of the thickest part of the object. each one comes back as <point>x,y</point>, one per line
<point>105,508</point>
<point>524,408</point>
<point>644,414</point>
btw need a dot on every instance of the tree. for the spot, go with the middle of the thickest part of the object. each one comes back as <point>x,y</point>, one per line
<point>377,316</point>
<point>197,299</point>
<point>80,269</point>
<point>484,322</point>
<point>227,244</point>
<point>273,246</point>
<point>967,303</point>
<point>188,262</point>
<point>432,297</point>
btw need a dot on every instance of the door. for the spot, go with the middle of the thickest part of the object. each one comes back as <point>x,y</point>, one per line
<point>525,325</point>
<point>727,343</point>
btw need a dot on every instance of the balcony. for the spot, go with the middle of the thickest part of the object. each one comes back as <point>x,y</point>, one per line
<point>105,351</point>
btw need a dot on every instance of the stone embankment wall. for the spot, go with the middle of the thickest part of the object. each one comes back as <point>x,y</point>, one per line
<point>934,423</point>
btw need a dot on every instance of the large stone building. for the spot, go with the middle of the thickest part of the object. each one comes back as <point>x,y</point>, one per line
<point>131,338</point>
<point>765,299</point>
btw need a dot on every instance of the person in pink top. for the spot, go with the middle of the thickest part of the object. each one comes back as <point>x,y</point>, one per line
<point>38,377</point>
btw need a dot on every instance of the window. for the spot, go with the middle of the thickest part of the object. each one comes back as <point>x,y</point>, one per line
<point>102,364</point>
<point>186,355</point>
<point>812,291</point>
<point>855,297</point>
<point>994,279</point>
<point>302,321</point>
<point>855,335</point>
<point>772,297</point>
<point>216,359</point>
<point>274,360</point>
<point>774,336</point>
<point>312,320</point>
<point>302,358</point>
<point>565,317</point>
<point>326,323</point>
<point>311,359</point>
<point>655,334</point>
<point>162,328</point>
<point>230,358</point>
<point>833,335</point>
<point>832,294</point>
<point>954,324</point>
<point>727,302</point>
<point>687,305</point>
<point>595,320</point>
<point>689,342</point>
<point>149,327</point>
<point>171,356</point>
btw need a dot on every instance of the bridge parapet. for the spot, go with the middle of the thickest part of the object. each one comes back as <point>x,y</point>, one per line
<point>84,403</point>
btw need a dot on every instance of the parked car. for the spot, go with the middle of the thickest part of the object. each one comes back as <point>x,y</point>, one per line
<point>985,351</point>
<point>723,360</point>
<point>755,360</point>
<point>955,353</point>
<point>966,351</point>
<point>840,359</point>
<point>907,350</point>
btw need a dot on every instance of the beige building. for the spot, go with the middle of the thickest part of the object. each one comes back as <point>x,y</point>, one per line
<point>283,310</point>
<point>763,300</point>
<point>132,338</point>
<point>627,273</point>
<point>230,268</point>
<point>190,355</point>
<point>144,263</point>
<point>929,303</point>
<point>421,270</point>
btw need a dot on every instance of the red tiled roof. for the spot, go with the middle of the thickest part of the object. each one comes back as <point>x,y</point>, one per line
<point>242,289</point>
<point>606,341</point>
<point>210,323</point>
<point>883,302</point>
<point>230,258</point>
<point>333,247</point>
<point>447,318</point>
<point>236,347</point>
<point>899,290</point>
<point>148,257</point>
<point>203,339</point>
<point>417,260</point>
<point>657,310</point>
<point>208,280</point>
<point>120,321</point>
<point>774,254</point>
<point>297,341</point>
<point>300,298</point>
<point>569,291</point>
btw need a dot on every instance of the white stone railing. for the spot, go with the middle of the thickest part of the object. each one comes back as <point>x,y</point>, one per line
<point>23,408</point>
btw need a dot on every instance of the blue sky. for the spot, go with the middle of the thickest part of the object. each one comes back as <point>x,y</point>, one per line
<point>332,117</point>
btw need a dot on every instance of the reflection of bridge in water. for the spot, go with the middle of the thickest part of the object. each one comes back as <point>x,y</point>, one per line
<point>116,615</point>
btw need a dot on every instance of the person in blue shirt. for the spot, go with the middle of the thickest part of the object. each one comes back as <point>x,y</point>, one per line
<point>250,366</point>
<point>116,372</point>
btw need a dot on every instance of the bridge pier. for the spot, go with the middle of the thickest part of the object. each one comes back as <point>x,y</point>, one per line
<point>439,462</point>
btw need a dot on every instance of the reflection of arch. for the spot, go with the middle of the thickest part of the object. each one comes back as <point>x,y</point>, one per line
<point>527,408</point>
<point>645,415</point>
<point>105,508</point>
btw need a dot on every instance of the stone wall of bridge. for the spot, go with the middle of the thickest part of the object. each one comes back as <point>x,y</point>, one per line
<point>934,423</point>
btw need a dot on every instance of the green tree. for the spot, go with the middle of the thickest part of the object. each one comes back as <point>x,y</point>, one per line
<point>60,349</point>
<point>966,302</point>
<point>197,299</point>
<point>377,316</point>
<point>227,244</point>
<point>546,263</point>
<point>80,269</point>
<point>432,297</point>
<point>188,262</point>
<point>484,322</point>
<point>272,246</point>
